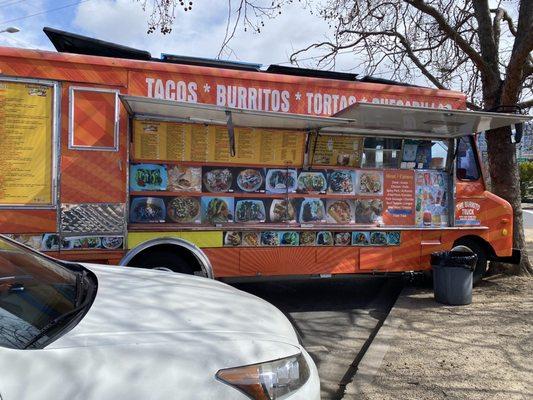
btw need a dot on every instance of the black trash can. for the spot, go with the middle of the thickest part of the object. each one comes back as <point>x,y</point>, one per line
<point>453,276</point>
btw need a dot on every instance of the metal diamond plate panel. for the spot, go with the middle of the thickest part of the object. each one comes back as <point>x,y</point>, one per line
<point>93,218</point>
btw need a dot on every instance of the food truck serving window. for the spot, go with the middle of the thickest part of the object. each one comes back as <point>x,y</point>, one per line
<point>28,133</point>
<point>94,119</point>
<point>467,164</point>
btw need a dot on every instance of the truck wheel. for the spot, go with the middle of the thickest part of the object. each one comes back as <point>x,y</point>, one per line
<point>481,265</point>
<point>163,261</point>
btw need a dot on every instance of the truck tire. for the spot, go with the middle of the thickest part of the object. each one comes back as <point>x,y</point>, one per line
<point>481,265</point>
<point>164,261</point>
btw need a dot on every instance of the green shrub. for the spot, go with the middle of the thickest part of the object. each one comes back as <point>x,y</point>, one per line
<point>526,180</point>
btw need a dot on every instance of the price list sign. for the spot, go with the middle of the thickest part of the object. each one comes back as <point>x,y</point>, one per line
<point>25,144</point>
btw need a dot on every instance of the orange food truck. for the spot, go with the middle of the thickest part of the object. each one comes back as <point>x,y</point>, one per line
<point>227,170</point>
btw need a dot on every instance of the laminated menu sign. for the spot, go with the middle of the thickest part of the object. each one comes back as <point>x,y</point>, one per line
<point>25,143</point>
<point>399,197</point>
<point>337,150</point>
<point>168,141</point>
<point>431,198</point>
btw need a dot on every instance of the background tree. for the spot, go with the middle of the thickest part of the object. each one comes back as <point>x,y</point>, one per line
<point>479,47</point>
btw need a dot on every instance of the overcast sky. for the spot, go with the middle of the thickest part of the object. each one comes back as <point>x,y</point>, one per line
<point>199,32</point>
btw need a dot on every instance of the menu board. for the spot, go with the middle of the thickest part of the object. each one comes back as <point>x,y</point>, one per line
<point>25,143</point>
<point>399,197</point>
<point>337,150</point>
<point>168,141</point>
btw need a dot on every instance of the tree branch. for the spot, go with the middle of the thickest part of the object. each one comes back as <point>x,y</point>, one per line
<point>502,14</point>
<point>452,34</point>
<point>520,56</point>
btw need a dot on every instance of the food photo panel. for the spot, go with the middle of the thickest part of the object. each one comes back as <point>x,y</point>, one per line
<point>361,238</point>
<point>281,180</point>
<point>184,210</point>
<point>341,182</point>
<point>370,182</point>
<point>289,238</point>
<point>232,238</point>
<point>324,238</point>
<point>217,179</point>
<point>307,238</point>
<point>147,210</point>
<point>312,210</point>
<point>250,180</point>
<point>249,210</point>
<point>282,210</point>
<point>312,182</point>
<point>342,238</point>
<point>270,238</point>
<point>368,211</point>
<point>148,177</point>
<point>251,239</point>
<point>340,211</point>
<point>184,179</point>
<point>217,210</point>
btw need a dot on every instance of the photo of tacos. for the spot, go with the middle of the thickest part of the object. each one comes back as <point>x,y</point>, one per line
<point>282,210</point>
<point>217,210</point>
<point>368,211</point>
<point>370,182</point>
<point>251,239</point>
<point>232,238</point>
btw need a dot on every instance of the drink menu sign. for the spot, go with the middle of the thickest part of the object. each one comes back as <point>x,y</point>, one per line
<point>25,144</point>
<point>167,141</point>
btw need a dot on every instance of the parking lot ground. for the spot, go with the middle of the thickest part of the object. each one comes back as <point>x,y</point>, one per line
<point>426,350</point>
<point>336,320</point>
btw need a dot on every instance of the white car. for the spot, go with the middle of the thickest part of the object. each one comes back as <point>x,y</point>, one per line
<point>69,331</point>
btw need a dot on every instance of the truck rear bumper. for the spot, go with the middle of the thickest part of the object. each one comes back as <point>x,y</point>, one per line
<point>513,259</point>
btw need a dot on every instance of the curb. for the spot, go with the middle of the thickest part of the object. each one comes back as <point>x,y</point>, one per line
<point>373,358</point>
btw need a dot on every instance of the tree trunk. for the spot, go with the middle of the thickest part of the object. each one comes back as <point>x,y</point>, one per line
<point>505,181</point>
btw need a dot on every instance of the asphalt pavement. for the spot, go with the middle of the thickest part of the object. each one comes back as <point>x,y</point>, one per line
<point>336,320</point>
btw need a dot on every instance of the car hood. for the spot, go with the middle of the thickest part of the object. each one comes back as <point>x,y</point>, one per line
<point>137,306</point>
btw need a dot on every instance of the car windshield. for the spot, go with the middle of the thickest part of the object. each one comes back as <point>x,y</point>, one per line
<point>34,291</point>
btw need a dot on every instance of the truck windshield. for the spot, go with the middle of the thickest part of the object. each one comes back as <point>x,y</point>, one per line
<point>34,291</point>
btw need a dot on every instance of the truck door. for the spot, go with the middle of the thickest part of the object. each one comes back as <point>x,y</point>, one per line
<point>93,170</point>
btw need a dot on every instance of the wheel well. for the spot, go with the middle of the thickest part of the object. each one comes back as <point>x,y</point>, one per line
<point>175,256</point>
<point>464,240</point>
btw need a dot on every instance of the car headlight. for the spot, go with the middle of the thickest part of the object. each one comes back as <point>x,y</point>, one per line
<point>269,380</point>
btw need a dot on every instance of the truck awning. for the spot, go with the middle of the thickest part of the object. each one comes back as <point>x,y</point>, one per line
<point>145,107</point>
<point>363,119</point>
<point>443,122</point>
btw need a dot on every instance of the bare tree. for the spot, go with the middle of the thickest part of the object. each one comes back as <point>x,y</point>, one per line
<point>469,45</point>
